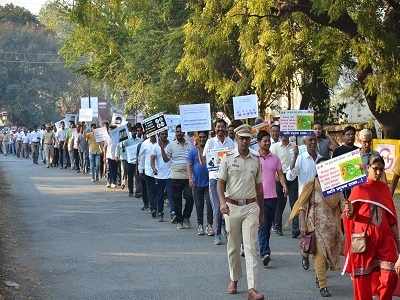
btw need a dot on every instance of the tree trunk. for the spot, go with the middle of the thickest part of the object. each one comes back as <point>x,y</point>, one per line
<point>390,122</point>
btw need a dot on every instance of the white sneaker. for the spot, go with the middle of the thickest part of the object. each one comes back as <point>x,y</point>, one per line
<point>200,230</point>
<point>108,185</point>
<point>186,224</point>
<point>113,185</point>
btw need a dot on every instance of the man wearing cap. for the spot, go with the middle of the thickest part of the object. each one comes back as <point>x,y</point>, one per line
<point>241,196</point>
<point>48,145</point>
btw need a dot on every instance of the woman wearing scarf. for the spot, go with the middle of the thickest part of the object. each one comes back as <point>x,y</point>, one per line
<point>321,215</point>
<point>372,237</point>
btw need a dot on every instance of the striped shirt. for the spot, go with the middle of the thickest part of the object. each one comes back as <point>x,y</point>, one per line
<point>178,153</point>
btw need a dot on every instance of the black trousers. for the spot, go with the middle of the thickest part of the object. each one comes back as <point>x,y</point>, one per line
<point>201,195</point>
<point>56,156</point>
<point>61,154</point>
<point>76,159</point>
<point>131,170</point>
<point>150,192</point>
<point>292,195</point>
<point>181,187</point>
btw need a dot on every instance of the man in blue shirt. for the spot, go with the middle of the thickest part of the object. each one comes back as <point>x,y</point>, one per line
<point>198,180</point>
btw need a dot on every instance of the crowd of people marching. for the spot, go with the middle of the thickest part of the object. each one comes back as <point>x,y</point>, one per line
<point>244,198</point>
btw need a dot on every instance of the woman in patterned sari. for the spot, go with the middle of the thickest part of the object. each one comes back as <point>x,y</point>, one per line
<point>321,215</point>
<point>372,237</point>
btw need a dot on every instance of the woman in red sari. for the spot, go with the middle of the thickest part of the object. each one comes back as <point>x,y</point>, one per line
<point>372,237</point>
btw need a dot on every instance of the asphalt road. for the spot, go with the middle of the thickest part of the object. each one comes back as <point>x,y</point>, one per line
<point>71,239</point>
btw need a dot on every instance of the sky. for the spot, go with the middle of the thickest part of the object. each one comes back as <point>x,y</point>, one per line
<point>32,5</point>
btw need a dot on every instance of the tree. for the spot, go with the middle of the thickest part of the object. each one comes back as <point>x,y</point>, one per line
<point>32,76</point>
<point>361,36</point>
<point>135,47</point>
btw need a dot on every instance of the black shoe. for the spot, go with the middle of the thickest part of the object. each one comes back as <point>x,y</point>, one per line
<point>266,259</point>
<point>295,234</point>
<point>279,232</point>
<point>305,263</point>
<point>324,292</point>
<point>173,219</point>
<point>130,195</point>
<point>154,213</point>
<point>316,283</point>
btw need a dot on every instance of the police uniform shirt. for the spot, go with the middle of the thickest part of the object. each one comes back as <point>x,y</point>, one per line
<point>241,175</point>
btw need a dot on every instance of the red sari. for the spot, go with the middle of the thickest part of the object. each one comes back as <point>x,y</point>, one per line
<point>373,270</point>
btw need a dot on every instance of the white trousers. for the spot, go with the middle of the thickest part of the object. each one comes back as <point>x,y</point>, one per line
<point>242,224</point>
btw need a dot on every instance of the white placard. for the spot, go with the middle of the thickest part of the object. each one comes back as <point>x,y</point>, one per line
<point>70,118</point>
<point>117,119</point>
<point>172,121</point>
<point>341,172</point>
<point>100,134</point>
<point>119,134</point>
<point>214,158</point>
<point>296,122</point>
<point>85,115</point>
<point>245,107</point>
<point>131,153</point>
<point>93,104</point>
<point>195,117</point>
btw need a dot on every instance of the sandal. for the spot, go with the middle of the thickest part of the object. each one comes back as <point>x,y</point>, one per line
<point>305,263</point>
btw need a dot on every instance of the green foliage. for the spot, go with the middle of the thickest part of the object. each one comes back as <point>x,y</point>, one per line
<point>34,85</point>
<point>134,46</point>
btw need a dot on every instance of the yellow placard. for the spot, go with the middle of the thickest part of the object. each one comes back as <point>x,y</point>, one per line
<point>390,151</point>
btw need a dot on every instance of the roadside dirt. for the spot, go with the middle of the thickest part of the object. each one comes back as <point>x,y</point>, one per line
<point>17,281</point>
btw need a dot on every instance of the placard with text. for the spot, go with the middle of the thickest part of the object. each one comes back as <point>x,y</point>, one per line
<point>341,172</point>
<point>296,122</point>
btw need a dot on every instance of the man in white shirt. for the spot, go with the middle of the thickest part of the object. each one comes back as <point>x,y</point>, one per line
<point>25,145</point>
<point>144,167</point>
<point>285,151</point>
<point>218,142</point>
<point>162,175</point>
<point>18,139</point>
<point>111,160</point>
<point>60,140</point>
<point>35,142</point>
<point>304,168</point>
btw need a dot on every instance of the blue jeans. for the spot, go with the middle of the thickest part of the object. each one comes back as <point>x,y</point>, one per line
<point>217,216</point>
<point>264,232</point>
<point>95,165</point>
<point>162,185</point>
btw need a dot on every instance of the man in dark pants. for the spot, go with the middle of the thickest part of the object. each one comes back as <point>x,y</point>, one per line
<point>285,151</point>
<point>292,187</point>
<point>177,152</point>
<point>271,168</point>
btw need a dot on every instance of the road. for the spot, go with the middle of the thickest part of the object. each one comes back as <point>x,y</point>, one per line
<point>67,238</point>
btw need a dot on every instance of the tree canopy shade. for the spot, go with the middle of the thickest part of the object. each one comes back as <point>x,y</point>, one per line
<point>159,53</point>
<point>33,80</point>
<point>135,47</point>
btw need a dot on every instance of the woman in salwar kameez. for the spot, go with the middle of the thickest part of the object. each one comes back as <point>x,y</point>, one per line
<point>322,216</point>
<point>372,261</point>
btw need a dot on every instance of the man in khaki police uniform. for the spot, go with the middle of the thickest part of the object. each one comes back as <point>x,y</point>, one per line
<point>48,145</point>
<point>240,193</point>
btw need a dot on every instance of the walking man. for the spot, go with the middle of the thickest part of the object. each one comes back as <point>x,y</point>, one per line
<point>177,152</point>
<point>198,180</point>
<point>35,142</point>
<point>240,195</point>
<point>270,169</point>
<point>48,145</point>
<point>60,139</point>
<point>220,141</point>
